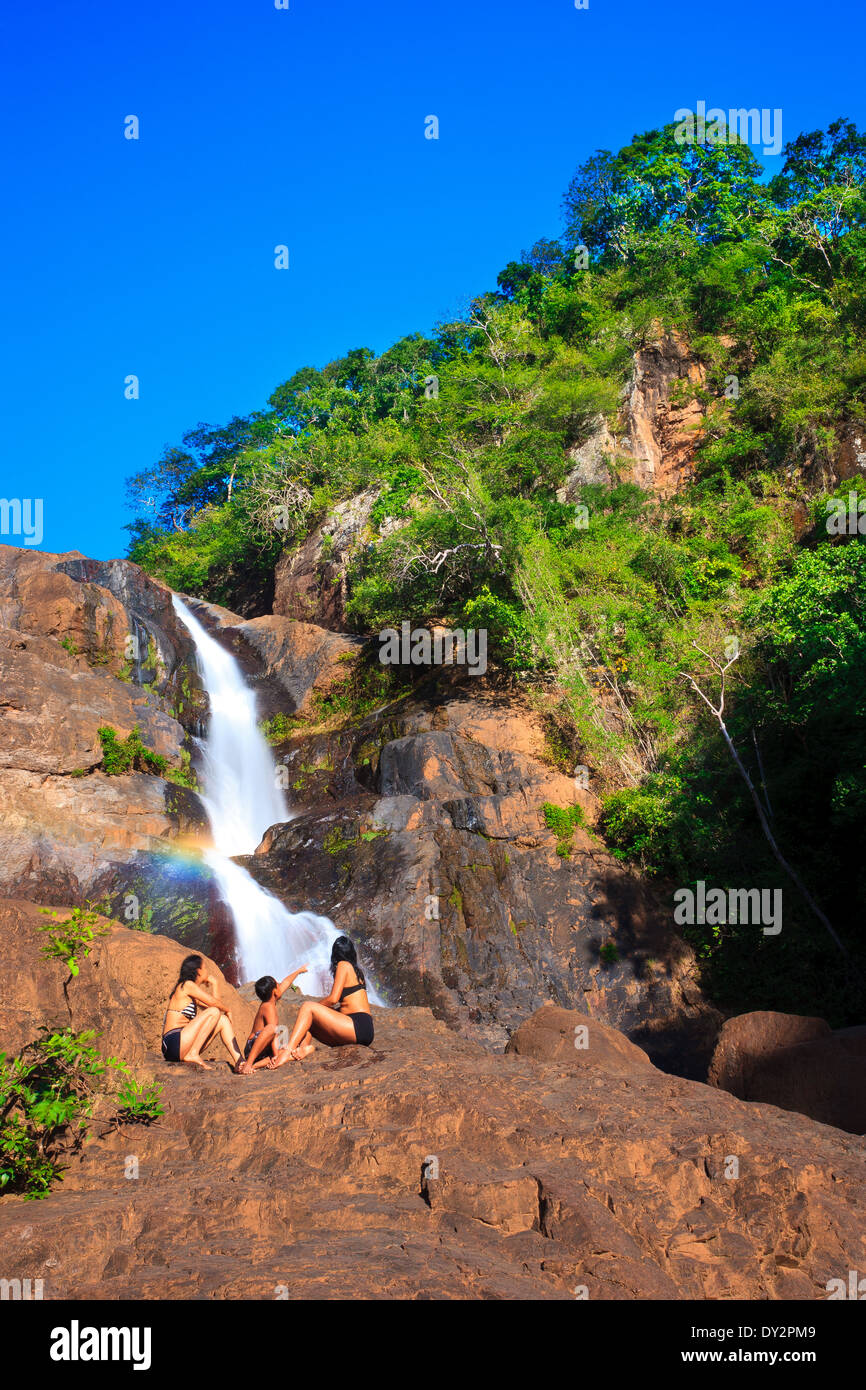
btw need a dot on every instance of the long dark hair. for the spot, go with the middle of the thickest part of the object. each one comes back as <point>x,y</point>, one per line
<point>343,949</point>
<point>188,970</point>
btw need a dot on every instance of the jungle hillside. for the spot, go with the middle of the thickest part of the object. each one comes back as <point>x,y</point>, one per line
<point>695,639</point>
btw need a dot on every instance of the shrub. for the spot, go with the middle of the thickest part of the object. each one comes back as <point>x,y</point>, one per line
<point>129,754</point>
<point>70,938</point>
<point>46,1097</point>
<point>562,819</point>
<point>139,1103</point>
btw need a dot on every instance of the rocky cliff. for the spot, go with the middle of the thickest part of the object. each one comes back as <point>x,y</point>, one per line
<point>419,825</point>
<point>85,645</point>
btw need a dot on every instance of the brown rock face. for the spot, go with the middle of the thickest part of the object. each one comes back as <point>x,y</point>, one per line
<point>53,704</point>
<point>664,419</point>
<point>796,1063</point>
<point>76,635</point>
<point>285,661</point>
<point>661,421</point>
<point>95,607</point>
<point>424,837</point>
<point>310,583</point>
<point>432,1167</point>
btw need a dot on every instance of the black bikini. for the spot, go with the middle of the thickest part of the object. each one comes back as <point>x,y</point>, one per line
<point>350,989</point>
<point>363,1025</point>
<point>171,1039</point>
<point>361,1022</point>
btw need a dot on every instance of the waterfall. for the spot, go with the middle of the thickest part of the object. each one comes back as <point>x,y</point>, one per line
<point>242,798</point>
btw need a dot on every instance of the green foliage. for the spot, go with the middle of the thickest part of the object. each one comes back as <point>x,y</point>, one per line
<point>46,1097</point>
<point>182,776</point>
<point>562,819</point>
<point>279,727</point>
<point>508,633</point>
<point>138,1103</point>
<point>70,939</point>
<point>335,842</point>
<point>120,756</point>
<point>127,755</point>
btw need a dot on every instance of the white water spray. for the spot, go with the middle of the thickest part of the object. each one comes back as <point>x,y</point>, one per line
<point>242,798</point>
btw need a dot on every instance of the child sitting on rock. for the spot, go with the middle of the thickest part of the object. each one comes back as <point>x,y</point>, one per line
<point>260,1050</point>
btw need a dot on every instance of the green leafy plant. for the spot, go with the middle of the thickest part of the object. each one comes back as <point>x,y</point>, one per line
<point>47,1095</point>
<point>70,938</point>
<point>335,842</point>
<point>138,1102</point>
<point>126,755</point>
<point>562,821</point>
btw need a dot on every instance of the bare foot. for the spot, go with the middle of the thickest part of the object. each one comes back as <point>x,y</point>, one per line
<point>297,1053</point>
<point>305,1051</point>
<point>198,1062</point>
<point>244,1068</point>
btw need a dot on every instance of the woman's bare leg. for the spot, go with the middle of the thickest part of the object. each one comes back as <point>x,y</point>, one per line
<point>226,1033</point>
<point>324,1023</point>
<point>196,1035</point>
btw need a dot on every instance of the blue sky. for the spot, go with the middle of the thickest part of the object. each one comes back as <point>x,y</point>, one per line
<point>305,127</point>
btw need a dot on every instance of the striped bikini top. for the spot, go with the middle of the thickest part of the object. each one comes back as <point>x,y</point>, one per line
<point>190,1010</point>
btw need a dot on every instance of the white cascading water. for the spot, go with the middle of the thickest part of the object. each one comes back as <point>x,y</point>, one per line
<point>243,798</point>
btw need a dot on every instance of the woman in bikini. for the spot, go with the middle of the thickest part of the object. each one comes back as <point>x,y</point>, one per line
<point>343,1016</point>
<point>195,1016</point>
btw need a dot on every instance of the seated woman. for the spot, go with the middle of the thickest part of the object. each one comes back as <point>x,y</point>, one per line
<point>194,1001</point>
<point>343,1016</point>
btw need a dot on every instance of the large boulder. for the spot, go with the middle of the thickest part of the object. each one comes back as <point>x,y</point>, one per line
<point>796,1063</point>
<point>572,1039</point>
<point>748,1038</point>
